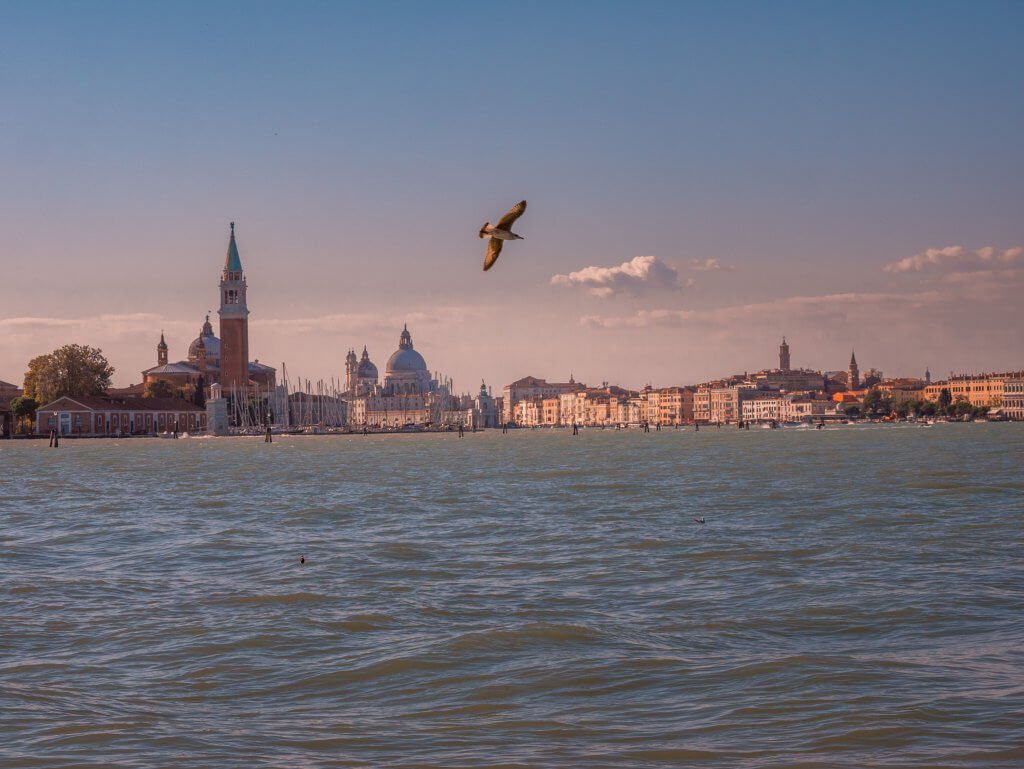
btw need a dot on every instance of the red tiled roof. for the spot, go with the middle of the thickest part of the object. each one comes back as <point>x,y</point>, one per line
<point>107,403</point>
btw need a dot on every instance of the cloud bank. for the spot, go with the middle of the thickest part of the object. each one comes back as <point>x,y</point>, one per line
<point>957,257</point>
<point>638,275</point>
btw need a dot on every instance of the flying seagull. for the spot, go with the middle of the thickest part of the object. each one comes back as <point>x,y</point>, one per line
<point>503,231</point>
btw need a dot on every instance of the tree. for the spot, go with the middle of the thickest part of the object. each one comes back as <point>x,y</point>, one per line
<point>160,388</point>
<point>945,398</point>
<point>928,409</point>
<point>73,369</point>
<point>200,395</point>
<point>24,408</point>
<point>875,404</point>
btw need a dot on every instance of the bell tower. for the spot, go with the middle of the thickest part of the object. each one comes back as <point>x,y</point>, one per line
<point>853,374</point>
<point>161,351</point>
<point>351,366</point>
<point>784,355</point>
<point>234,322</point>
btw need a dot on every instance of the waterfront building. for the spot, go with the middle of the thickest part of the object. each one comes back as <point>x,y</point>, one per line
<point>552,410</point>
<point>486,413</point>
<point>224,360</point>
<point>727,402</point>
<point>95,415</point>
<point>762,408</point>
<point>532,387</point>
<point>702,404</point>
<point>975,389</point>
<point>899,390</point>
<point>1013,397</point>
<point>798,408</point>
<point>528,412</point>
<point>669,405</point>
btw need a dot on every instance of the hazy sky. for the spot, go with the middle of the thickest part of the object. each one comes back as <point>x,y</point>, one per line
<point>702,180</point>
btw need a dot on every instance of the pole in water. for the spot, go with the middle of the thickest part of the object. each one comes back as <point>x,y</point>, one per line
<point>269,438</point>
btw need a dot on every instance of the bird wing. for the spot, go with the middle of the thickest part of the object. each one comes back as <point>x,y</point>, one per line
<point>513,213</point>
<point>493,249</point>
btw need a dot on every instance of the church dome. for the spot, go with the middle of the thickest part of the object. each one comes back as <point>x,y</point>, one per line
<point>211,343</point>
<point>366,369</point>
<point>405,359</point>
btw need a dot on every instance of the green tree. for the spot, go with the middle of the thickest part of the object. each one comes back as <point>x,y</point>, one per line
<point>73,369</point>
<point>963,409</point>
<point>161,388</point>
<point>875,404</point>
<point>23,409</point>
<point>945,398</point>
<point>928,409</point>
<point>199,398</point>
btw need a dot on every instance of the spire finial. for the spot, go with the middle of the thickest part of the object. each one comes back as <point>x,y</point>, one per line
<point>232,228</point>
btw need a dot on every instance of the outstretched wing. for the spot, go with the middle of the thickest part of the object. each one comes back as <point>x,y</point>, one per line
<point>510,218</point>
<point>493,249</point>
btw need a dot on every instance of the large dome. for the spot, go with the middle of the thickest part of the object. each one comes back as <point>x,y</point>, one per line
<point>407,360</point>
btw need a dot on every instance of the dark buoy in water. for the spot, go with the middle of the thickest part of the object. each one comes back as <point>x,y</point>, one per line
<point>302,559</point>
<point>699,520</point>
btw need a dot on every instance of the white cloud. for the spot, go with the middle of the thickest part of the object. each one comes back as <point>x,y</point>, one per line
<point>707,265</point>
<point>641,273</point>
<point>842,307</point>
<point>957,257</point>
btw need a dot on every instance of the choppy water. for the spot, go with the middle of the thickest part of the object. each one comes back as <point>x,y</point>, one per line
<point>856,598</point>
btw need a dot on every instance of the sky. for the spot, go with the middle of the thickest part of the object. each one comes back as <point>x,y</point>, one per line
<point>703,179</point>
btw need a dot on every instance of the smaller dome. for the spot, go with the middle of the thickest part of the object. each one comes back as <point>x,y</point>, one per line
<point>210,343</point>
<point>366,369</point>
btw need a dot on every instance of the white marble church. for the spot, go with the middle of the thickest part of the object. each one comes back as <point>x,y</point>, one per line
<point>409,395</point>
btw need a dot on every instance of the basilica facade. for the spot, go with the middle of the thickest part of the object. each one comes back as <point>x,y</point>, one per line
<point>409,395</point>
<point>224,360</point>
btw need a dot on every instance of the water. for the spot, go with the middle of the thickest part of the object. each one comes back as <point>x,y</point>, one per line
<point>856,598</point>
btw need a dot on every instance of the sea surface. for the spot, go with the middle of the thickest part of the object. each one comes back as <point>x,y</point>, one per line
<point>854,599</point>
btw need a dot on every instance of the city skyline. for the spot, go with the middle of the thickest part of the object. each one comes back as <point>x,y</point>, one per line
<point>694,196</point>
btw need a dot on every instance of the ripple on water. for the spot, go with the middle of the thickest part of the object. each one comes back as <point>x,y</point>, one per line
<point>529,599</point>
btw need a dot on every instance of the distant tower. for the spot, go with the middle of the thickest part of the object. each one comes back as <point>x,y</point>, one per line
<point>927,376</point>
<point>351,366</point>
<point>853,374</point>
<point>161,351</point>
<point>234,322</point>
<point>784,355</point>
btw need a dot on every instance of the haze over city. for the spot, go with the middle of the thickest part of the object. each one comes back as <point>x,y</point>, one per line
<point>702,181</point>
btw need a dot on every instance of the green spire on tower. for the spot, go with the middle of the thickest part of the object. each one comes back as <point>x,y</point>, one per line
<point>232,262</point>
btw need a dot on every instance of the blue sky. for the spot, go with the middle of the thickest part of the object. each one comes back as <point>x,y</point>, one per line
<point>803,146</point>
